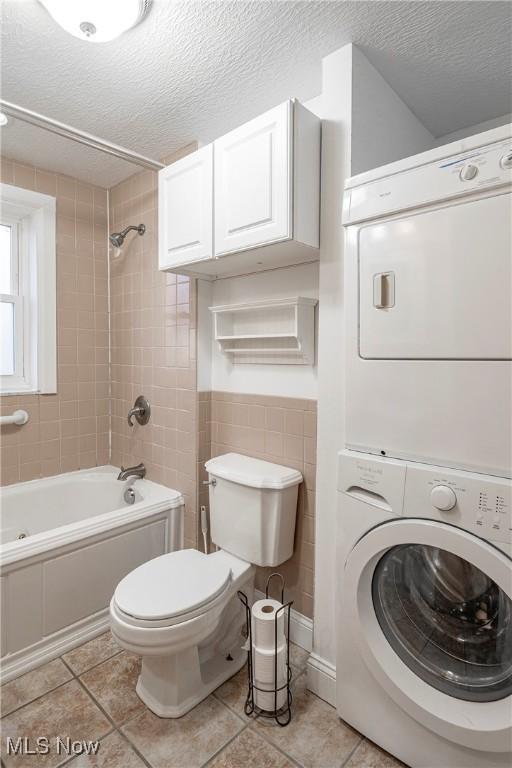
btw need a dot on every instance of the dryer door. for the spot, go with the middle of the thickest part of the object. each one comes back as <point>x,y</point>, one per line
<point>436,284</point>
<point>431,607</point>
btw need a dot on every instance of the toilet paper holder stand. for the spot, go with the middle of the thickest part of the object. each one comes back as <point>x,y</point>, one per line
<point>281,715</point>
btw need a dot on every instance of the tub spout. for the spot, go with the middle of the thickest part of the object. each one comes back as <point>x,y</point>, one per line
<point>138,471</point>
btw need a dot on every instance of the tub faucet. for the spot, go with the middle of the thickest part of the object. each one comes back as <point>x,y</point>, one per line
<point>138,471</point>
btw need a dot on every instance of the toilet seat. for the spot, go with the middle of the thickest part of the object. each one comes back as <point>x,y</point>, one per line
<point>172,588</point>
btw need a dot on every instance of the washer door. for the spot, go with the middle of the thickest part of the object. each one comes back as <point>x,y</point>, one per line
<point>430,606</point>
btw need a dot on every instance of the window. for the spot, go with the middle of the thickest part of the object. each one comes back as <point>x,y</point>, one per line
<point>28,352</point>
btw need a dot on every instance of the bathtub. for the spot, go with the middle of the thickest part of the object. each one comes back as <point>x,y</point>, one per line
<point>65,543</point>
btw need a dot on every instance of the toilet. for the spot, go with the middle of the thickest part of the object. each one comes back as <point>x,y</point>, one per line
<point>180,612</point>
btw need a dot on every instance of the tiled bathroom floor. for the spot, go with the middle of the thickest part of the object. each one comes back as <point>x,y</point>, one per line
<point>89,694</point>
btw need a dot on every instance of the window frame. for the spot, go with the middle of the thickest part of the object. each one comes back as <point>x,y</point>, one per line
<point>13,297</point>
<point>34,216</point>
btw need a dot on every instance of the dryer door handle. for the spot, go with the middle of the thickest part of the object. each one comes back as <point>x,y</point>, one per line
<point>384,290</point>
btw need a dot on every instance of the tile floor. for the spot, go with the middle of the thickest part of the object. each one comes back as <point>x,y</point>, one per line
<point>89,694</point>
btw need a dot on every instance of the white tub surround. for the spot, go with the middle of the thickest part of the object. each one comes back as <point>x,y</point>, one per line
<point>79,538</point>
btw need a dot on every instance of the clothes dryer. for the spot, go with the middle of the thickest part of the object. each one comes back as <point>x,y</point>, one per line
<point>429,307</point>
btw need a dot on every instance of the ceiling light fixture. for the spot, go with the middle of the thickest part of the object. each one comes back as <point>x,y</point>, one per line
<point>3,119</point>
<point>97,20</point>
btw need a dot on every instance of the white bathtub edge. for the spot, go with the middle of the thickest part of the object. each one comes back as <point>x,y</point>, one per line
<point>15,550</point>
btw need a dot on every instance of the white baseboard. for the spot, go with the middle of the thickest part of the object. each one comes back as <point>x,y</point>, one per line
<point>23,661</point>
<point>301,628</point>
<point>322,678</point>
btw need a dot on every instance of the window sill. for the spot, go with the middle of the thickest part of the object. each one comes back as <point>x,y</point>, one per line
<point>18,392</point>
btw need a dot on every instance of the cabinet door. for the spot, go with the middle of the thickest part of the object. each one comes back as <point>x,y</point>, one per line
<point>253,183</point>
<point>185,209</point>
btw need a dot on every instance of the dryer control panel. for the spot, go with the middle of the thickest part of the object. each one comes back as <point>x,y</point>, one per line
<point>473,170</point>
<point>478,503</point>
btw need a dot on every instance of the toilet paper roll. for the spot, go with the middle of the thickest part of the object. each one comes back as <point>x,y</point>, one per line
<point>264,666</point>
<point>266,699</point>
<point>263,625</point>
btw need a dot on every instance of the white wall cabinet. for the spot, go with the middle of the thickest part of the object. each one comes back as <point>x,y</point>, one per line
<point>265,204</point>
<point>253,183</point>
<point>185,210</point>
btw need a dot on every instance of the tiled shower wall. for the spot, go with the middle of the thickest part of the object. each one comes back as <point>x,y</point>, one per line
<point>277,429</point>
<point>153,349</point>
<point>68,430</point>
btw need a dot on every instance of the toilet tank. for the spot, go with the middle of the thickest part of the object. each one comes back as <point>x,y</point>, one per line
<point>253,506</point>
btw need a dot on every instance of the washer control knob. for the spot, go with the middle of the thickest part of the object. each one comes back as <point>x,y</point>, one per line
<point>443,498</point>
<point>468,172</point>
<point>506,160</point>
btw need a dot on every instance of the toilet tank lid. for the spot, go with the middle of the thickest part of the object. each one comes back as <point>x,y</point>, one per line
<point>255,473</point>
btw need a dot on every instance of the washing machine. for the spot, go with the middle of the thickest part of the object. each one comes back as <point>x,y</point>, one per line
<point>428,304</point>
<point>424,579</point>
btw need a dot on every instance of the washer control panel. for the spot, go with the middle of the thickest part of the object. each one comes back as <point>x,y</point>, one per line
<point>443,497</point>
<point>475,502</point>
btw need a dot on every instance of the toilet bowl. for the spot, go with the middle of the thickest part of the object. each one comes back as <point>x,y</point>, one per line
<point>180,612</point>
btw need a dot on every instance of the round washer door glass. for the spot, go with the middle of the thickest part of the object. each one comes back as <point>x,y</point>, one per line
<point>448,621</point>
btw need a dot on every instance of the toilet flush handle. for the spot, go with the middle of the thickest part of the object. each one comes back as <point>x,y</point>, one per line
<point>212,482</point>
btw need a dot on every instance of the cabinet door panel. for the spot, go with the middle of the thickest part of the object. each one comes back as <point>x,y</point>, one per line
<point>185,205</point>
<point>253,183</point>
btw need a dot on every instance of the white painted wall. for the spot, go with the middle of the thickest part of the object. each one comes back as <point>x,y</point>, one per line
<point>334,106</point>
<point>358,110</point>
<point>471,130</point>
<point>216,370</point>
<point>383,128</point>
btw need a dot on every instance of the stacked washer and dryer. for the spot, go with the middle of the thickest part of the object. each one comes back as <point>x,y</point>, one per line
<point>424,665</point>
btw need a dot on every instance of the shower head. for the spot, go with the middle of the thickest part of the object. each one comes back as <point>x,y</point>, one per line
<point>117,238</point>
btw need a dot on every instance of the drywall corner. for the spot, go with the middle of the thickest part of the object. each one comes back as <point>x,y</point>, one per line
<point>383,127</point>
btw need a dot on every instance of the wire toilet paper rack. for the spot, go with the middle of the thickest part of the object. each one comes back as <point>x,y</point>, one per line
<point>282,715</point>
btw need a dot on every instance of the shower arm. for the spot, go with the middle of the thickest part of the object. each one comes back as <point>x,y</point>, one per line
<point>139,229</point>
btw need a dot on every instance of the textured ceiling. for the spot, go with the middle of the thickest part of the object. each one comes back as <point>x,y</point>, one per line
<point>196,69</point>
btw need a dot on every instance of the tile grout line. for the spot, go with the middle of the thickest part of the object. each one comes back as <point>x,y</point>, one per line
<point>279,749</point>
<point>116,727</point>
<point>226,744</point>
<point>94,666</point>
<point>98,705</point>
<point>353,751</point>
<point>135,749</point>
<point>70,758</point>
<point>36,698</point>
<point>249,724</point>
<point>67,666</point>
<point>74,676</point>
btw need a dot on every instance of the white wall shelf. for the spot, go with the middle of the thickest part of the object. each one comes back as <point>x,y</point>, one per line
<point>277,331</point>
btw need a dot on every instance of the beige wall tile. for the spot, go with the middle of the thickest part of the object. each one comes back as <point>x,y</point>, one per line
<point>288,437</point>
<point>152,316</point>
<point>49,442</point>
